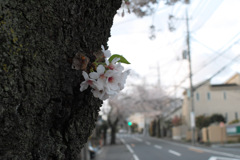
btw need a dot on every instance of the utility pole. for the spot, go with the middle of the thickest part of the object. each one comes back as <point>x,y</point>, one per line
<point>191,106</point>
<point>158,74</point>
<point>192,114</point>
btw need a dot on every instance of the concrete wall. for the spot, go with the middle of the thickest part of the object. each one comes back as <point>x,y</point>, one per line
<point>179,132</point>
<point>189,135</point>
<point>204,135</point>
<point>217,134</point>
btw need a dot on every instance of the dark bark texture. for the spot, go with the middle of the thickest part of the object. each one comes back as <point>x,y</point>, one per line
<point>43,115</point>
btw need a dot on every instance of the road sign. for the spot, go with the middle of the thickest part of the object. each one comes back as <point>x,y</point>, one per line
<point>233,130</point>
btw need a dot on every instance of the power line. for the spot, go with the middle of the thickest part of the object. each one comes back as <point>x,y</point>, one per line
<point>219,71</point>
<point>199,7</point>
<point>218,56</point>
<point>213,51</point>
<point>206,13</point>
<point>222,69</point>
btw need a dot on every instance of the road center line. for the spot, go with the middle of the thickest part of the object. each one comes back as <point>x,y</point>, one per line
<point>148,143</point>
<point>195,150</point>
<point>122,140</point>
<point>158,147</point>
<point>220,158</point>
<point>135,157</point>
<point>138,139</point>
<point>174,152</point>
<point>129,148</point>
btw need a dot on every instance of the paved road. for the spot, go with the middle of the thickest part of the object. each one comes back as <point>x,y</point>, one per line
<point>147,148</point>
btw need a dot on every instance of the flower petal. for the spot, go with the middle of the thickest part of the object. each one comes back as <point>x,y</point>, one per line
<point>94,75</point>
<point>109,73</point>
<point>107,62</point>
<point>84,86</point>
<point>107,53</point>
<point>102,47</point>
<point>96,93</point>
<point>115,60</point>
<point>100,69</point>
<point>119,67</point>
<point>100,84</point>
<point>114,86</point>
<point>85,75</point>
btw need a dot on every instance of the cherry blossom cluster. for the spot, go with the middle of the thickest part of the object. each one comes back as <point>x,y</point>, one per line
<point>108,79</point>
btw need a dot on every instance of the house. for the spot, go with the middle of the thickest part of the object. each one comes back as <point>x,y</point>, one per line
<point>210,99</point>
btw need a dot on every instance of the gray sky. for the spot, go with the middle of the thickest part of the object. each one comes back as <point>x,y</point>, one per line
<point>215,31</point>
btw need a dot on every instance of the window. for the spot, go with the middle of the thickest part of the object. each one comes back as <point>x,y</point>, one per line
<point>197,96</point>
<point>236,115</point>
<point>208,96</point>
<point>224,95</point>
<point>226,117</point>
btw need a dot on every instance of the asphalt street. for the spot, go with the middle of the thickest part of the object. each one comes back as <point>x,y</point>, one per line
<point>139,147</point>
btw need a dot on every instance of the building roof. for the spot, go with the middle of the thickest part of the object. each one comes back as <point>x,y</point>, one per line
<point>224,85</point>
<point>235,76</point>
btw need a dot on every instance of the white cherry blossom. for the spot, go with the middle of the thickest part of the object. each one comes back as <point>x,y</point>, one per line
<point>114,66</point>
<point>106,53</point>
<point>100,94</point>
<point>108,79</point>
<point>88,82</point>
<point>99,76</point>
<point>123,79</point>
<point>112,80</point>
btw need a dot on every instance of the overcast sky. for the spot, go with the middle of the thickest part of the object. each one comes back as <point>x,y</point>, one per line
<point>215,31</point>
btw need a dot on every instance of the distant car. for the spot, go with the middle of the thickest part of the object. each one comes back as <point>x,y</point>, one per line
<point>122,131</point>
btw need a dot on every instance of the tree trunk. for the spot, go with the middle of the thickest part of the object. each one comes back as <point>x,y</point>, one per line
<point>43,115</point>
<point>105,136</point>
<point>113,130</point>
<point>113,135</point>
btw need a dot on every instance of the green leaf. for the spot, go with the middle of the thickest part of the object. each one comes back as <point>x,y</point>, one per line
<point>122,59</point>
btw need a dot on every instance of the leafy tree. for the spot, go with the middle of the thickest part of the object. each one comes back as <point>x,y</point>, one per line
<point>205,121</point>
<point>217,118</point>
<point>176,121</point>
<point>43,115</point>
<point>234,121</point>
<point>134,128</point>
<point>202,121</point>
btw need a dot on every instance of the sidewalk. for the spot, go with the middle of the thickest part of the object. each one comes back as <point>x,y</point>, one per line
<point>114,152</point>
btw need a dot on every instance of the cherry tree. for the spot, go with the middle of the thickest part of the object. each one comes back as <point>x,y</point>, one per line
<point>147,100</point>
<point>43,114</point>
<point>143,8</point>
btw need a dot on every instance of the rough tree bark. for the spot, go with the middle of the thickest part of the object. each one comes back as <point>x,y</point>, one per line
<point>43,115</point>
